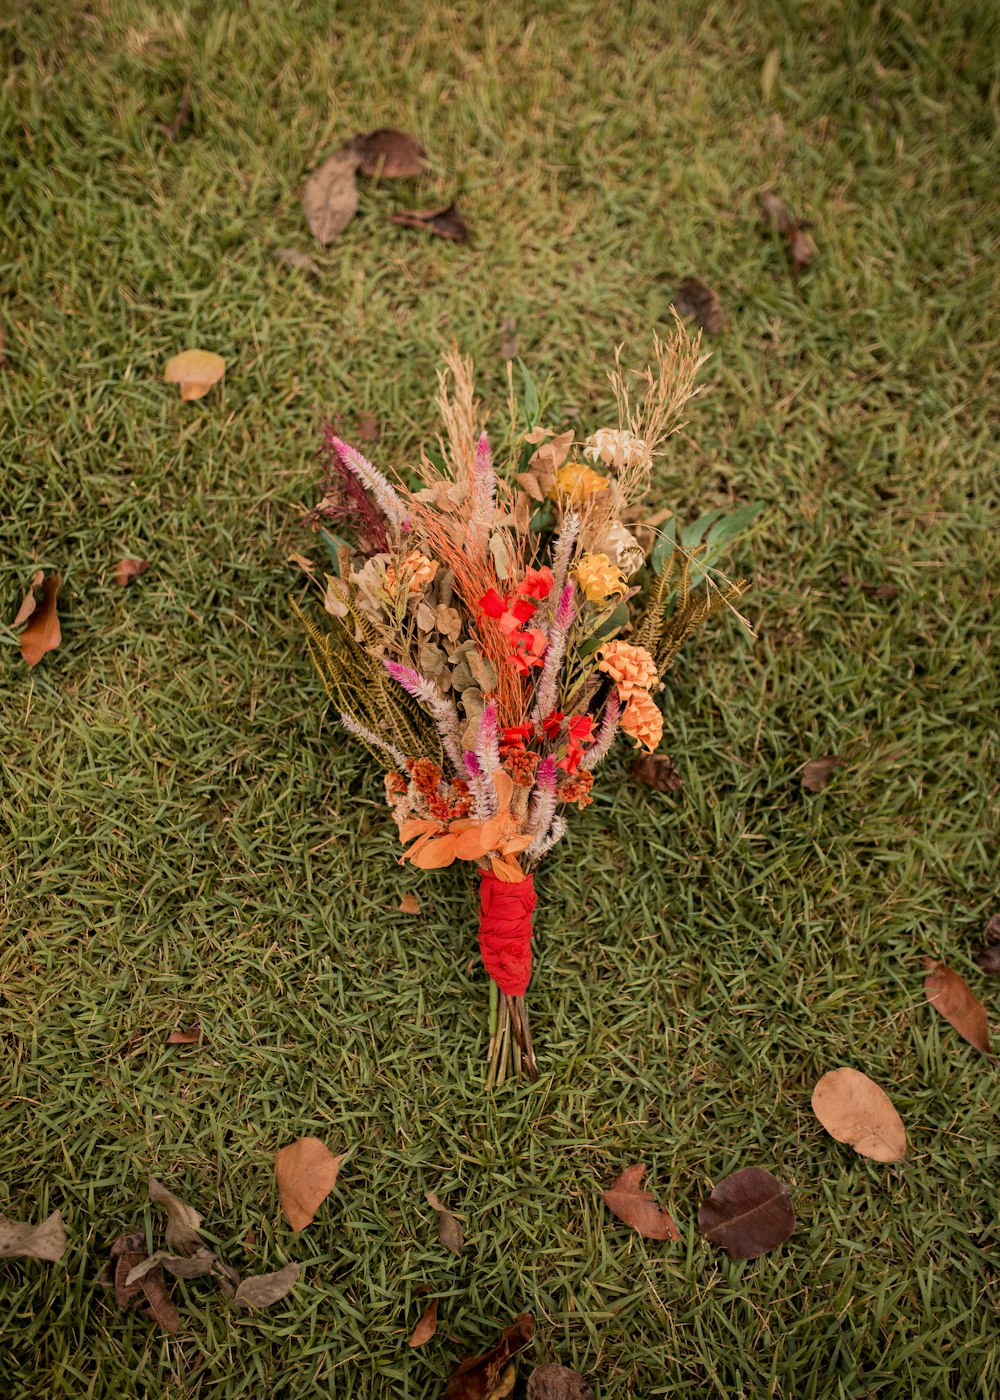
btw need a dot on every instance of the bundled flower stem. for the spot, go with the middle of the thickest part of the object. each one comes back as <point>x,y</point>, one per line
<point>491,631</point>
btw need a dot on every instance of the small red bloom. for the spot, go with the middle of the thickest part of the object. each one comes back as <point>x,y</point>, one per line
<point>522,609</point>
<point>537,583</point>
<point>582,727</point>
<point>492,604</point>
<point>553,723</point>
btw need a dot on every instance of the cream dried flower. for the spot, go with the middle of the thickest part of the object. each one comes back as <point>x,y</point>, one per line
<point>617,448</point>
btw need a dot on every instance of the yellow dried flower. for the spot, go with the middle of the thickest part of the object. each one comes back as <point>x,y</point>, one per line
<point>599,578</point>
<point>642,720</point>
<point>576,483</point>
<point>631,668</point>
<point>416,568</point>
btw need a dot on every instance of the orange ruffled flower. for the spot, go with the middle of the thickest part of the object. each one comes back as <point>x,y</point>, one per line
<point>416,568</point>
<point>631,668</point>
<point>642,720</point>
<point>576,483</point>
<point>437,845</point>
<point>599,578</point>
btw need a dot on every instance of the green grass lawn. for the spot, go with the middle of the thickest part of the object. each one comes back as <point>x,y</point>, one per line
<point>185,836</point>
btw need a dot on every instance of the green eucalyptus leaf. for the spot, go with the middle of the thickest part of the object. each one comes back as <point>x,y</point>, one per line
<point>543,519</point>
<point>613,624</point>
<point>333,544</point>
<point>664,546</point>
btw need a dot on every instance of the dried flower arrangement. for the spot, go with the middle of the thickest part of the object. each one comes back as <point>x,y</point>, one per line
<point>491,631</point>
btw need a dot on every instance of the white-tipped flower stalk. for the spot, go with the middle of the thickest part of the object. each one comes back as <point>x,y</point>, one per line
<point>442,711</point>
<point>484,491</point>
<point>543,804</point>
<point>389,502</point>
<point>555,653</point>
<point>373,740</point>
<point>598,750</point>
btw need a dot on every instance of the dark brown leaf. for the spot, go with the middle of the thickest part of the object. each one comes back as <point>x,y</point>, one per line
<point>293,258</point>
<point>801,248</point>
<point>490,1376</point>
<point>626,1199</point>
<point>196,1265</point>
<point>149,1291</point>
<point>44,1241</point>
<point>696,299</point>
<point>390,154</point>
<point>192,1036</point>
<point>557,1383</point>
<point>368,429</point>
<point>129,569</point>
<point>992,930</point>
<point>42,633</point>
<point>656,770</point>
<point>445,222</point>
<point>330,196</point>
<point>307,1173</point>
<point>427,1325</point>
<point>818,771</point>
<point>988,960</point>
<point>748,1213</point>
<point>449,1229</point>
<point>172,130</point>
<point>261,1290</point>
<point>182,1220</point>
<point>949,994</point>
<point>874,590</point>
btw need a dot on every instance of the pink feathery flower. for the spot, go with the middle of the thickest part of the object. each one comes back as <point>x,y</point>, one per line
<point>548,681</point>
<point>441,710</point>
<point>488,739</point>
<point>390,503</point>
<point>605,735</point>
<point>543,802</point>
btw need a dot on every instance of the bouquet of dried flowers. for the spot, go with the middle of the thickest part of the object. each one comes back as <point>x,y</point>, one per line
<point>490,630</point>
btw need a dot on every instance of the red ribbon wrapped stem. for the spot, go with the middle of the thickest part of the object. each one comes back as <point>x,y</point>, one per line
<point>505,912</point>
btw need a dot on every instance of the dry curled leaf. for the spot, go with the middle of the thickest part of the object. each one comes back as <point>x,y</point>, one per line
<point>508,339</point>
<point>42,632</point>
<point>818,771</point>
<point>769,73</point>
<point>696,299</point>
<point>183,1220</point>
<point>44,1241</point>
<point>148,1292</point>
<point>427,1325</point>
<point>748,1214</point>
<point>293,258</point>
<point>988,960</point>
<point>307,1173</point>
<point>801,248</point>
<point>195,371</point>
<point>950,995</point>
<point>626,1199</point>
<point>330,195</point>
<point>28,603</point>
<point>172,130</point>
<point>656,770</point>
<point>195,1265</point>
<point>557,1383</point>
<point>491,1376</point>
<point>854,1109</point>
<point>409,904</point>
<point>191,1036</point>
<point>261,1290</point>
<point>873,590</point>
<point>128,569</point>
<point>449,1229</point>
<point>389,154</point>
<point>446,222</point>
<point>368,429</point>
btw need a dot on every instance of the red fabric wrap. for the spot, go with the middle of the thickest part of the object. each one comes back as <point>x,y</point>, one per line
<point>505,931</point>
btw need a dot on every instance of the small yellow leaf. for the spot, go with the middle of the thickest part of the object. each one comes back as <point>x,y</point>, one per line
<point>195,371</point>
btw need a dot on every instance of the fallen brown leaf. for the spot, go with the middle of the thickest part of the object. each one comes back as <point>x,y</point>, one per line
<point>293,258</point>
<point>42,632</point>
<point>28,603</point>
<point>626,1199</point>
<point>445,222</point>
<point>748,1214</point>
<point>148,1292</point>
<point>128,569</point>
<point>196,1265</point>
<point>192,1036</point>
<point>801,248</point>
<point>557,1383</point>
<point>261,1290</point>
<point>696,299</point>
<point>307,1173</point>
<point>195,371</point>
<point>183,1220</point>
<point>992,930</point>
<point>874,590</point>
<point>508,339</point>
<point>409,904</point>
<point>491,1376</point>
<point>950,995</point>
<point>853,1109</point>
<point>656,770</point>
<point>330,195</point>
<point>988,960</point>
<point>389,154</point>
<point>44,1241</point>
<point>818,771</point>
<point>427,1325</point>
<point>449,1229</point>
<point>172,130</point>
<point>368,429</point>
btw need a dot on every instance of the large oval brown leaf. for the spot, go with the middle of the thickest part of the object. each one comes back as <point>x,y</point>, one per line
<point>42,633</point>
<point>853,1109</point>
<point>748,1213</point>
<point>949,994</point>
<point>307,1173</point>
<point>483,1377</point>
<point>427,1325</point>
<point>330,196</point>
<point>638,1208</point>
<point>389,153</point>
